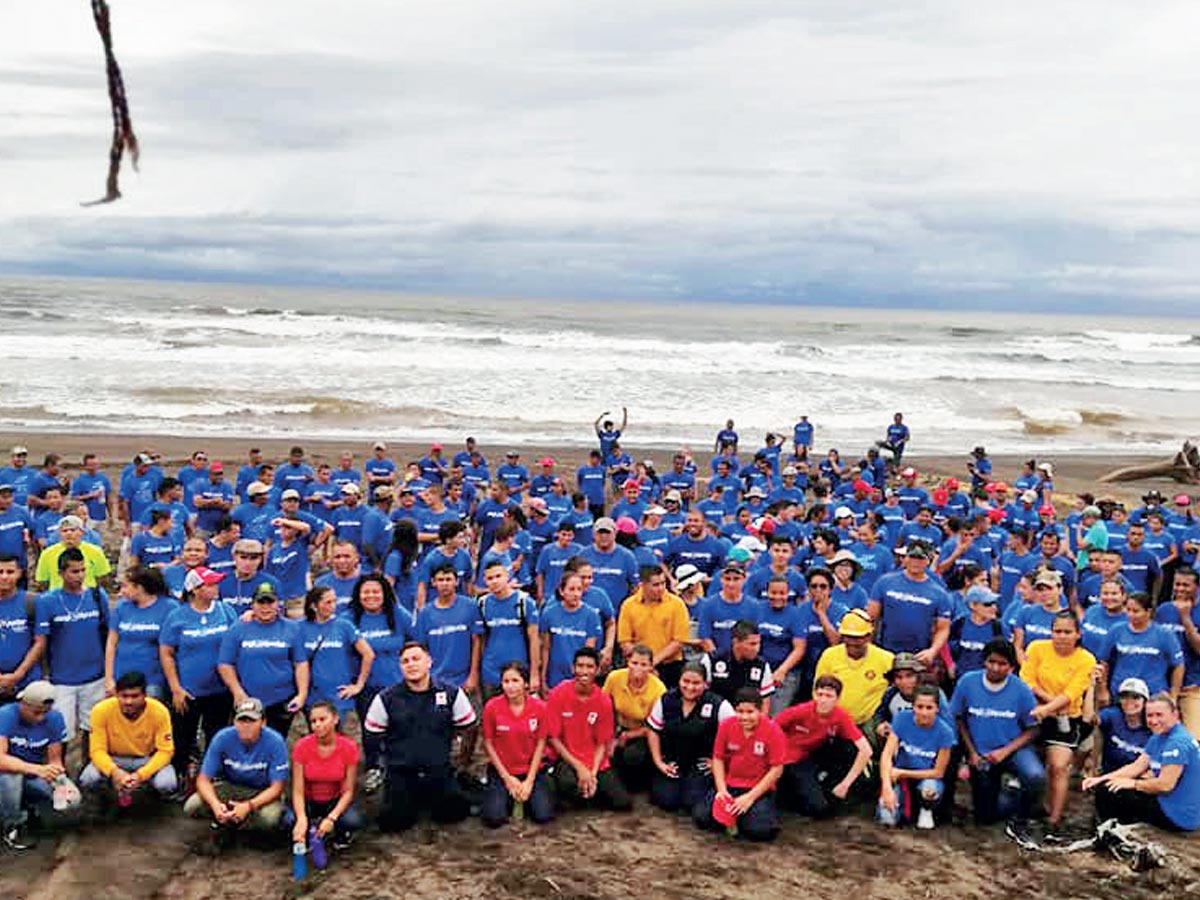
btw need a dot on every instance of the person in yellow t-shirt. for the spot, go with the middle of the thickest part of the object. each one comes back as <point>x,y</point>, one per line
<point>70,533</point>
<point>656,618</point>
<point>1060,672</point>
<point>131,743</point>
<point>634,691</point>
<point>859,664</point>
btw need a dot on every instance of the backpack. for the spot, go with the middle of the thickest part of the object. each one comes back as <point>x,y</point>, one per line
<point>487,628</point>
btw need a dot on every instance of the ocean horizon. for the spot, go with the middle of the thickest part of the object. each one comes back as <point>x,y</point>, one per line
<point>194,358</point>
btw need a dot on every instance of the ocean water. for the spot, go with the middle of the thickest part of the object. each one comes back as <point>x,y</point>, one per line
<point>157,357</point>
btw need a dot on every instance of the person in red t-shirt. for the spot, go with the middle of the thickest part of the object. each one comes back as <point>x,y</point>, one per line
<point>324,771</point>
<point>582,725</point>
<point>514,738</point>
<point>826,751</point>
<point>747,761</point>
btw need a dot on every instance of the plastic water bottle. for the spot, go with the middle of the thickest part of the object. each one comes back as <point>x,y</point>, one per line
<point>316,846</point>
<point>124,798</point>
<point>299,861</point>
<point>518,811</point>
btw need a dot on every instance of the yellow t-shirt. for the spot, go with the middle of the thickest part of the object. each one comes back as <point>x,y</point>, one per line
<point>631,707</point>
<point>863,680</point>
<point>1057,675</point>
<point>93,558</point>
<point>114,735</point>
<point>653,624</point>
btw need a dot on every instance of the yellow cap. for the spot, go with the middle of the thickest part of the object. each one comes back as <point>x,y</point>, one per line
<point>856,623</point>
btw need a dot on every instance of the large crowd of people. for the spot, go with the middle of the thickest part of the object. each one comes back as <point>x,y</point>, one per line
<point>733,637</point>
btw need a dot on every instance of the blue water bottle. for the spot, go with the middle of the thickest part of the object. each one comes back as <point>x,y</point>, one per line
<point>299,860</point>
<point>316,846</point>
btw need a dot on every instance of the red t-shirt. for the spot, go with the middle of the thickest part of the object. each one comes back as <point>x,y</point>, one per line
<point>323,775</point>
<point>581,723</point>
<point>514,736</point>
<point>748,758</point>
<point>806,731</point>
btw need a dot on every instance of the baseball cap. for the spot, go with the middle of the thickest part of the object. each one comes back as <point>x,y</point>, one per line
<point>249,710</point>
<point>201,575</point>
<point>907,662</point>
<point>37,693</point>
<point>5,486</point>
<point>546,461</point>
<point>18,450</point>
<point>998,515</point>
<point>687,575</point>
<point>1049,577</point>
<point>860,485</point>
<point>379,445</point>
<point>216,466</point>
<point>626,525</point>
<point>1128,686</point>
<point>756,491</point>
<point>255,488</point>
<point>290,494</point>
<point>1047,510</point>
<point>351,488</point>
<point>856,623</point>
<point>908,472</point>
<point>143,459</point>
<point>673,496</point>
<point>70,522</point>
<point>843,512</point>
<point>1046,467</point>
<point>382,492</point>
<point>750,544</point>
<point>265,593</point>
<point>512,453</point>
<point>941,496</point>
<point>538,505</point>
<point>733,567</point>
<point>952,484</point>
<point>1029,497</point>
<point>788,470</point>
<point>919,550</point>
<point>978,593</point>
<point>435,446</point>
<point>654,510</point>
<point>248,545</point>
<point>604,523</point>
<point>1000,487</point>
<point>891,492</point>
<point>1183,500</point>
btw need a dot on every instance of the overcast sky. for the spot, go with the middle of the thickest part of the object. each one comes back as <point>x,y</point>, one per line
<point>1040,155</point>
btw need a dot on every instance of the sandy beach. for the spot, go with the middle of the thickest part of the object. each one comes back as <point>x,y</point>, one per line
<point>1072,473</point>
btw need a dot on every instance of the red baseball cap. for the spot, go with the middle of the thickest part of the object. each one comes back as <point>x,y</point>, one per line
<point>626,525</point>
<point>722,812</point>
<point>908,472</point>
<point>435,446</point>
<point>216,466</point>
<point>201,575</point>
<point>860,485</point>
<point>546,461</point>
<point>996,515</point>
<point>952,484</point>
<point>1047,510</point>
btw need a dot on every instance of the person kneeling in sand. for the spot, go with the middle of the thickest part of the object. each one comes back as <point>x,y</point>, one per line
<point>242,777</point>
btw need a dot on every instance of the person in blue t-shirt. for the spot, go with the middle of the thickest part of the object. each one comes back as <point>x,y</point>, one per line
<point>1160,787</point>
<point>506,626</point>
<point>897,437</point>
<point>445,626</point>
<point>726,437</point>
<point>913,610</point>
<point>32,759</point>
<point>1035,621</point>
<point>514,475</point>
<point>134,629</point>
<point>782,627</point>
<point>607,432</point>
<point>1141,648</point>
<point>615,567</point>
<point>590,480</point>
<point>339,657</point>
<point>1139,565</point>
<point>695,546</point>
<point>994,712</point>
<point>725,609</point>
<point>1123,727</point>
<point>567,623</point>
<point>913,764</point>
<point>971,634</point>
<point>802,436</point>
<point>553,559</point>
<point>242,776</point>
<point>239,586</point>
<point>264,657</point>
<point>74,622</point>
<point>94,488</point>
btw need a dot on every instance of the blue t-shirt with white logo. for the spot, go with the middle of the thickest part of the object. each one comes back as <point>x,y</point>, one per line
<point>568,630</point>
<point>74,624</point>
<point>1122,744</point>
<point>1149,655</point>
<point>264,657</point>
<point>909,610</point>
<point>256,765</point>
<point>30,741</point>
<point>718,616</point>
<point>994,718</point>
<point>447,633</point>
<point>196,639</point>
<point>1178,748</point>
<point>502,624</point>
<point>919,747</point>
<point>138,629</point>
<point>333,661</point>
<point>16,637</point>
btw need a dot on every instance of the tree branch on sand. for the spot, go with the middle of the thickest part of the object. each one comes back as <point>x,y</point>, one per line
<point>1184,467</point>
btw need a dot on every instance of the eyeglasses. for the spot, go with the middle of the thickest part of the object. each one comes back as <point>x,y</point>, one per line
<point>818,586</point>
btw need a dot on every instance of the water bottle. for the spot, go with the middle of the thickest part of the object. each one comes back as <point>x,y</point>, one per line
<point>124,798</point>
<point>1064,724</point>
<point>316,846</point>
<point>518,811</point>
<point>299,861</point>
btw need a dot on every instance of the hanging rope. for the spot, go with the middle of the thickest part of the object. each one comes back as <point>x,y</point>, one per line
<point>123,136</point>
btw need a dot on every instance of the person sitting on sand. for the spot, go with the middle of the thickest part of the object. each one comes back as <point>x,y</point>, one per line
<point>912,767</point>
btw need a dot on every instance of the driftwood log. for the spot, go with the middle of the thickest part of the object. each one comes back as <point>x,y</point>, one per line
<point>1184,467</point>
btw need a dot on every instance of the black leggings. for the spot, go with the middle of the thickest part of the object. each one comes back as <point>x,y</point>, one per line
<point>1132,806</point>
<point>209,713</point>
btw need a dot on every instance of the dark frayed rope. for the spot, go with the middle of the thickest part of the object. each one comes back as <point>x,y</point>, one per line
<point>123,136</point>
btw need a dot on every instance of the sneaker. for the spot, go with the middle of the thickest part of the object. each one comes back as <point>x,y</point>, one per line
<point>1018,830</point>
<point>342,841</point>
<point>925,819</point>
<point>220,837</point>
<point>17,838</point>
<point>372,780</point>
